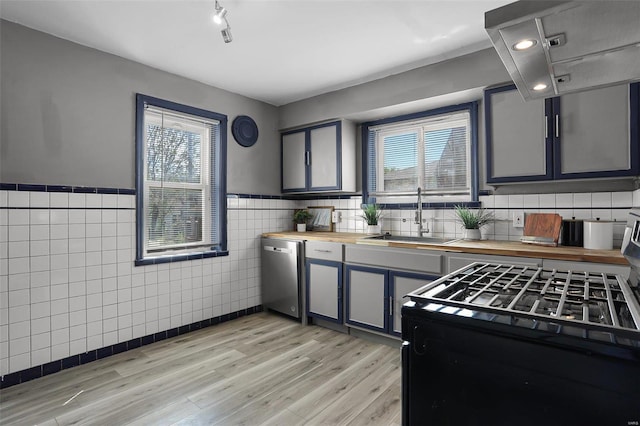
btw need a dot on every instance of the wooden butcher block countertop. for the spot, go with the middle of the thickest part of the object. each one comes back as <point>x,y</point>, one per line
<point>492,247</point>
<point>336,237</point>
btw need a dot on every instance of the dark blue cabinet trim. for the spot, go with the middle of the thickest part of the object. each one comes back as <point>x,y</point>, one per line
<point>385,273</point>
<point>392,275</point>
<point>488,116</point>
<point>307,172</point>
<point>553,143</point>
<point>331,264</point>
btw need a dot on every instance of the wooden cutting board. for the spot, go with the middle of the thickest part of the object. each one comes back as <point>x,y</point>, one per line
<point>542,228</point>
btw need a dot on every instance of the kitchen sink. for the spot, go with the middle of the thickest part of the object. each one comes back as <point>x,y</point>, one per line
<point>405,239</point>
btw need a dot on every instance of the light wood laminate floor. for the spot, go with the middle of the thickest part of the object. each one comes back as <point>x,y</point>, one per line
<point>256,370</point>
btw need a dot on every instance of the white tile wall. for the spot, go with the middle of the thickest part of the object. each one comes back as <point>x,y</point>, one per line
<point>68,284</point>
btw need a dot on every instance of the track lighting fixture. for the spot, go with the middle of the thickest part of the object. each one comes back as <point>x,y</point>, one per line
<point>219,17</point>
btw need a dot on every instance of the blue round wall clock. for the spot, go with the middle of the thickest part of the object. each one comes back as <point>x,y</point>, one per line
<point>245,130</point>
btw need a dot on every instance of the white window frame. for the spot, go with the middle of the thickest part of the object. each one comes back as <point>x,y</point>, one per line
<point>155,115</point>
<point>421,126</point>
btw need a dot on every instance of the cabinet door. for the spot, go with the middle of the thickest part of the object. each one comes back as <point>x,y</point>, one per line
<point>367,293</point>
<point>518,140</point>
<point>294,169</point>
<point>324,290</point>
<point>402,283</point>
<point>593,133</point>
<point>324,146</point>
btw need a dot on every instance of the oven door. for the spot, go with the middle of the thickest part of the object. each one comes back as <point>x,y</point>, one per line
<point>461,371</point>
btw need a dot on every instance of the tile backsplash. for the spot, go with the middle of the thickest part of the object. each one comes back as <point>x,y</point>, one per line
<point>442,222</point>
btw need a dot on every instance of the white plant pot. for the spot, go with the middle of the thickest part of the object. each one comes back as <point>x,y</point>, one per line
<point>374,229</point>
<point>301,227</point>
<point>472,234</point>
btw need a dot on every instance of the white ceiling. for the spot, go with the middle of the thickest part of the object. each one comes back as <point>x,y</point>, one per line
<point>282,51</point>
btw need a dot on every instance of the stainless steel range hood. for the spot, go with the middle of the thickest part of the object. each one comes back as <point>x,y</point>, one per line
<point>577,45</point>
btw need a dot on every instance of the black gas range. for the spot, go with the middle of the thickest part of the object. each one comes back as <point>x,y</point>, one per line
<point>501,344</point>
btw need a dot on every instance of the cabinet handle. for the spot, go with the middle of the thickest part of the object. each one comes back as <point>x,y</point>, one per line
<point>546,126</point>
<point>557,125</point>
<point>322,251</point>
<point>307,158</point>
<point>390,305</point>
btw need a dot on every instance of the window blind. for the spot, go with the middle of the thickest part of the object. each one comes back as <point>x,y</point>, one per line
<point>177,181</point>
<point>445,159</point>
<point>400,162</point>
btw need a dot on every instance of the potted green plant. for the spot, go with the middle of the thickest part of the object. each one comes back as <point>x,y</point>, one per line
<point>301,217</point>
<point>372,213</point>
<point>472,221</point>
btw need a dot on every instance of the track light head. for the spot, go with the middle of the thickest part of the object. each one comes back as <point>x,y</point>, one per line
<point>226,34</point>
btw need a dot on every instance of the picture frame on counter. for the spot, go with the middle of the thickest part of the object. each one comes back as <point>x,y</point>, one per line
<point>321,220</point>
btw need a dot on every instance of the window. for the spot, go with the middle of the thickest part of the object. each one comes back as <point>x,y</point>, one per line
<point>432,150</point>
<point>180,181</point>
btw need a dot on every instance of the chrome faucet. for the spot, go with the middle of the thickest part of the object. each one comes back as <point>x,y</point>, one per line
<point>418,220</point>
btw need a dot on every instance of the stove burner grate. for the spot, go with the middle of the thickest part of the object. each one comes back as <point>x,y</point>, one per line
<point>595,300</point>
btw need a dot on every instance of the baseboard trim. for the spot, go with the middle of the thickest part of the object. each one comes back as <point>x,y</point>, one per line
<point>73,361</point>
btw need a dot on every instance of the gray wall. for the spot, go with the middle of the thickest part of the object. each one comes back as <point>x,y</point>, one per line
<point>479,69</point>
<point>68,111</point>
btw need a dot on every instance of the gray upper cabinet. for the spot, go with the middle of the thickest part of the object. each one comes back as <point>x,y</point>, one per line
<point>320,158</point>
<point>293,155</point>
<point>592,134</point>
<point>517,137</point>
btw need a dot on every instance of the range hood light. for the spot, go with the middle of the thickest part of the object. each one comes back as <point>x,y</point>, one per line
<point>540,86</point>
<point>524,44</point>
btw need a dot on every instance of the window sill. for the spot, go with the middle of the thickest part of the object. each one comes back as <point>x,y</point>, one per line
<point>180,257</point>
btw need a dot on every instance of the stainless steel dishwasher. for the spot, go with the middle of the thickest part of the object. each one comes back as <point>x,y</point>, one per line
<point>282,277</point>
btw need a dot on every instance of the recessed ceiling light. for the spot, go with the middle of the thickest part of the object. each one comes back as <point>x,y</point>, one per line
<point>540,86</point>
<point>524,44</point>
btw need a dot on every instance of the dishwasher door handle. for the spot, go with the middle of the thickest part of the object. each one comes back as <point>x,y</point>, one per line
<point>282,250</point>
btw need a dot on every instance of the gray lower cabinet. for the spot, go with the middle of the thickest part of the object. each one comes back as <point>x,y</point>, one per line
<point>367,292</point>
<point>401,284</point>
<point>324,289</point>
<point>374,296</point>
